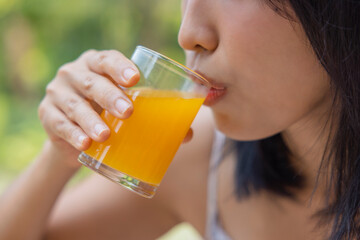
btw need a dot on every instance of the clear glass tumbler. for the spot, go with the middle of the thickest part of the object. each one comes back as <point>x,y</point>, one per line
<point>140,148</point>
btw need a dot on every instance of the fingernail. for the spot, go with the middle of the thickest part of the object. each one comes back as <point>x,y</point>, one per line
<point>81,140</point>
<point>99,129</point>
<point>129,73</point>
<point>122,106</point>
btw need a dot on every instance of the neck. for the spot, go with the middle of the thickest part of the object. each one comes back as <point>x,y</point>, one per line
<point>307,140</point>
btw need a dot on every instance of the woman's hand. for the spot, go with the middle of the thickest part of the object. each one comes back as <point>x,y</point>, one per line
<point>80,90</point>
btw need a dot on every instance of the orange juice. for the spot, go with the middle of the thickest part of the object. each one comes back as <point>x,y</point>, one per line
<point>143,145</point>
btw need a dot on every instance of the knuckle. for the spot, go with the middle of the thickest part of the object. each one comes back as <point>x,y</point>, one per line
<point>101,58</point>
<point>115,54</point>
<point>71,105</point>
<point>50,89</point>
<point>64,70</point>
<point>41,111</point>
<point>88,83</point>
<point>118,59</point>
<point>89,52</point>
<point>59,126</point>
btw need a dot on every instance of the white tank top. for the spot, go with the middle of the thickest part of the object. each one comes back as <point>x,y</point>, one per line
<point>214,230</point>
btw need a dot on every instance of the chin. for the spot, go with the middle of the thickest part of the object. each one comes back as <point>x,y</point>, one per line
<point>241,132</point>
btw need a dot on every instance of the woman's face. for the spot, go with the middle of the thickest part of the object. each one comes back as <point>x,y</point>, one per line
<point>272,76</point>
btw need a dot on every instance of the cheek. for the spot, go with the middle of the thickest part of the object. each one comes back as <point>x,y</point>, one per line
<point>276,78</point>
<point>263,116</point>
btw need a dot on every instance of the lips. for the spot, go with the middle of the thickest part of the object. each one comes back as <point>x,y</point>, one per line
<point>214,96</point>
<point>217,90</point>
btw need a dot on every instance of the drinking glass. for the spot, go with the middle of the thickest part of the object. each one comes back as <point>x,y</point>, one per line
<point>139,150</point>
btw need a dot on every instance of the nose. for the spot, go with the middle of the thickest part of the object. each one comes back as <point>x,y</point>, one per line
<point>197,31</point>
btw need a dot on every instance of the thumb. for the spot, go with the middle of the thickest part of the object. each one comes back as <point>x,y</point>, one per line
<point>188,136</point>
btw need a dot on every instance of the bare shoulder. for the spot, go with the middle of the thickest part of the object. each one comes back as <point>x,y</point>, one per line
<point>184,186</point>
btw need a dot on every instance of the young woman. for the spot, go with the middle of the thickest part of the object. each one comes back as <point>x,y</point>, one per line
<point>283,162</point>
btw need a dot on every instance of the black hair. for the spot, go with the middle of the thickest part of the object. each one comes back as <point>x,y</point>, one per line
<point>265,164</point>
<point>333,30</point>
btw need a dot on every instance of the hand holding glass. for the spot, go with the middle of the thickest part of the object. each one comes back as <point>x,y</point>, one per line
<point>140,148</point>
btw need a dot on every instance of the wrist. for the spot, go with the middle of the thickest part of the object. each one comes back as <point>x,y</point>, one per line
<point>58,158</point>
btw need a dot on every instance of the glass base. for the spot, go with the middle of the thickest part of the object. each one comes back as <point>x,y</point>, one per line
<point>144,189</point>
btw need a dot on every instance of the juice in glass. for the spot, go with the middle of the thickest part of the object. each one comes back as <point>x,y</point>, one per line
<point>143,145</point>
<point>139,150</point>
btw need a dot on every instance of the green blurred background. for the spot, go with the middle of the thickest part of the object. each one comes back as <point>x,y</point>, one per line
<point>38,36</point>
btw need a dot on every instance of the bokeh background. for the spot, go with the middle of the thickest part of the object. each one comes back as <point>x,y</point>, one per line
<point>38,36</point>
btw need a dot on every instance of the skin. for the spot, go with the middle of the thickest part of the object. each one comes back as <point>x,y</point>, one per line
<point>274,84</point>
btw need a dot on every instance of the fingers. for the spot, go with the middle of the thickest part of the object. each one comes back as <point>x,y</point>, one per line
<point>57,125</point>
<point>114,64</point>
<point>102,91</point>
<point>68,112</point>
<point>78,110</point>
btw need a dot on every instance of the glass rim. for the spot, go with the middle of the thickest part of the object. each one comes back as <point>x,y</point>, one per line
<point>176,63</point>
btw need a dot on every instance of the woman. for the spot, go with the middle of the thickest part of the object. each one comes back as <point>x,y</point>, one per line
<point>290,116</point>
